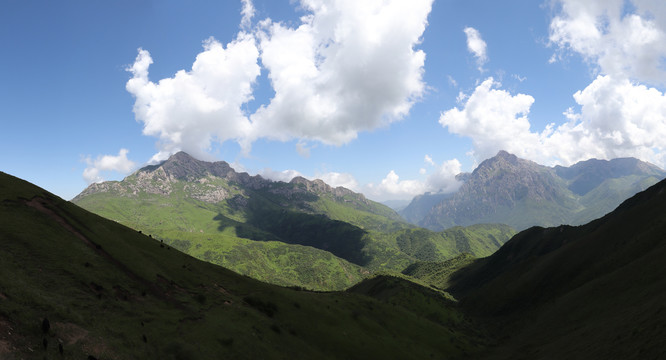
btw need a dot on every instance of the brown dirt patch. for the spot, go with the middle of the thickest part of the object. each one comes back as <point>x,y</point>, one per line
<point>69,333</point>
<point>8,339</point>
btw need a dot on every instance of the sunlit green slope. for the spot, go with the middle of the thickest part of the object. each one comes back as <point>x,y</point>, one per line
<point>301,233</point>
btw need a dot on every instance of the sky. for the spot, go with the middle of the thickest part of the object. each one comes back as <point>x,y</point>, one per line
<point>388,98</point>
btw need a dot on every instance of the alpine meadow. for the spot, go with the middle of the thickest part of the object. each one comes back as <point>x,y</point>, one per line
<point>333,179</point>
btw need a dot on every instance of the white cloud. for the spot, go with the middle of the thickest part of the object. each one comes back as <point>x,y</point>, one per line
<point>617,118</point>
<point>284,175</point>
<point>630,44</point>
<point>428,159</point>
<point>443,180</point>
<point>303,149</point>
<point>494,120</point>
<point>194,108</point>
<point>93,172</point>
<point>332,178</point>
<point>476,46</point>
<point>518,77</point>
<point>247,13</point>
<point>336,179</point>
<point>392,188</point>
<point>330,73</point>
<point>452,81</point>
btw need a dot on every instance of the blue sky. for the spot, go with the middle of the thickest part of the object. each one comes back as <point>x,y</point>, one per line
<point>391,99</point>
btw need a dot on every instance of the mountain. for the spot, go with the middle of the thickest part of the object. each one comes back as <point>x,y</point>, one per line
<point>587,292</point>
<point>421,205</point>
<point>396,205</point>
<point>521,193</point>
<point>77,286</point>
<point>302,233</point>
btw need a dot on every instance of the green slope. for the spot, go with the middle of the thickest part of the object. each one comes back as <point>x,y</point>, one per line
<point>438,274</point>
<point>219,233</point>
<point>479,240</point>
<point>594,291</point>
<point>111,292</point>
<point>303,233</point>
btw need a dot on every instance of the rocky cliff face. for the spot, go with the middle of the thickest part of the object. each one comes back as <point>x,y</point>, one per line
<point>200,180</point>
<point>497,184</point>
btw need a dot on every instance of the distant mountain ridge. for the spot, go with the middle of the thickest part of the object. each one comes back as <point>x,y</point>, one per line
<point>300,233</point>
<point>181,166</point>
<point>521,193</point>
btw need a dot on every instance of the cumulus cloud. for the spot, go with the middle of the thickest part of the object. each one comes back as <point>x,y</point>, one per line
<point>617,42</point>
<point>194,108</point>
<point>476,46</point>
<point>119,163</point>
<point>330,73</point>
<point>494,120</point>
<point>441,180</point>
<point>617,118</point>
<point>392,188</point>
<point>336,179</point>
<point>616,115</point>
<point>332,178</point>
<point>284,175</point>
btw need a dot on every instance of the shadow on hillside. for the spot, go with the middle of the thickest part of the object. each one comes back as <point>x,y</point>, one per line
<point>267,221</point>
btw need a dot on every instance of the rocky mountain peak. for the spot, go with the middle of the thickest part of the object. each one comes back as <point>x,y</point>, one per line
<point>523,193</point>
<point>320,187</point>
<point>182,166</point>
<point>164,177</point>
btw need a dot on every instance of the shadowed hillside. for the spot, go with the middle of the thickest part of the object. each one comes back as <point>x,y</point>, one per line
<point>74,281</point>
<point>592,291</point>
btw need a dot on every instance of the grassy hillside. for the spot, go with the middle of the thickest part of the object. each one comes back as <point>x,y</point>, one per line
<point>302,233</point>
<point>589,292</point>
<point>438,274</point>
<point>113,293</point>
<point>480,240</point>
<point>220,234</point>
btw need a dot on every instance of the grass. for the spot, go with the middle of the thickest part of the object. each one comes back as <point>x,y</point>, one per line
<point>282,233</point>
<point>114,293</point>
<point>588,292</point>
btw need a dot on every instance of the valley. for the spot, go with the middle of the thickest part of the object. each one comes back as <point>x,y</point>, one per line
<point>302,233</point>
<point>182,267</point>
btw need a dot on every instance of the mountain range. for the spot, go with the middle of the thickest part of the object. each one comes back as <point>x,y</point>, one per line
<point>301,233</point>
<point>521,193</point>
<point>74,285</point>
<point>84,286</point>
